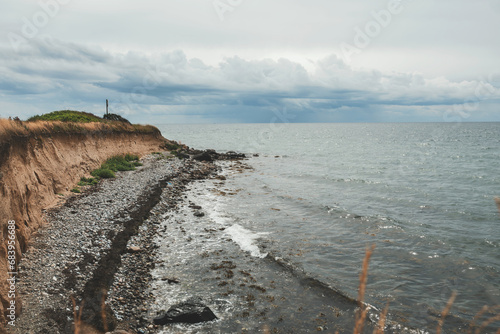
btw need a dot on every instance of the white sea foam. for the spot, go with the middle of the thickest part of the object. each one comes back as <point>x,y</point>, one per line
<point>246,239</point>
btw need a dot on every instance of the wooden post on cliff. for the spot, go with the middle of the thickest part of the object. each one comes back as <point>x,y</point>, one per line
<point>106,106</point>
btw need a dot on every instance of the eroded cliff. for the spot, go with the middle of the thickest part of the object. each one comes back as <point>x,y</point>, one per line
<point>36,168</point>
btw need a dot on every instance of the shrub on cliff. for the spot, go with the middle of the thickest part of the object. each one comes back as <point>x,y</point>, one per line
<point>115,117</point>
<point>67,116</point>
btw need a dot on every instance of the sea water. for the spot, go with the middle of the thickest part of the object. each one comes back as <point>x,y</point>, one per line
<point>320,194</point>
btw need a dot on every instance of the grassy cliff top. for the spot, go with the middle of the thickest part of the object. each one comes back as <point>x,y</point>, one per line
<point>70,122</point>
<point>67,116</point>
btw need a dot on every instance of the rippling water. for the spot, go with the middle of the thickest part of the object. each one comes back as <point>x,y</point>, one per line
<point>321,193</point>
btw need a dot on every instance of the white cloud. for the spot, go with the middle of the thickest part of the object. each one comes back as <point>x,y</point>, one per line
<point>142,82</point>
<point>154,57</point>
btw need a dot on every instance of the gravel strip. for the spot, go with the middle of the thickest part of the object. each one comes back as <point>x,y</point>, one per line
<point>97,242</point>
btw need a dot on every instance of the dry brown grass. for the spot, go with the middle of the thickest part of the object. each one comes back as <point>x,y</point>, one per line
<point>497,202</point>
<point>490,314</point>
<point>445,312</point>
<point>77,316</point>
<point>13,129</point>
<point>381,322</point>
<point>103,311</point>
<point>363,278</point>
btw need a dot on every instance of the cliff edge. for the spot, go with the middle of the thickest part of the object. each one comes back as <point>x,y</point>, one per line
<point>39,163</point>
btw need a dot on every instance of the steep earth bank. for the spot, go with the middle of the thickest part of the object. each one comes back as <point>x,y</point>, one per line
<point>37,172</point>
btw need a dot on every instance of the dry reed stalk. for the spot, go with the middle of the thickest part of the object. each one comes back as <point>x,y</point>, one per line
<point>484,310</point>
<point>476,317</point>
<point>103,311</point>
<point>445,312</point>
<point>381,322</point>
<point>497,201</point>
<point>77,318</point>
<point>363,278</point>
<point>487,322</point>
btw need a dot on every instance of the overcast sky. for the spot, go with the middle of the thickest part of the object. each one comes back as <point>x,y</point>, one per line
<point>224,61</point>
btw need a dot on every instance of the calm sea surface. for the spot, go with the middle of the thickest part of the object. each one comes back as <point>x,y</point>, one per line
<point>423,193</point>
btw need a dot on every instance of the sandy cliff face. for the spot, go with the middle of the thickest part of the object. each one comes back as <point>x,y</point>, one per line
<point>34,170</point>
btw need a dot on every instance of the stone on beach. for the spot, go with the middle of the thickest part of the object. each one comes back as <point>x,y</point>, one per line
<point>199,214</point>
<point>205,156</point>
<point>134,249</point>
<point>190,311</point>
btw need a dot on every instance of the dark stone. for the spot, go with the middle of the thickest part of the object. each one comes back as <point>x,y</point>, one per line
<point>205,156</point>
<point>191,311</point>
<point>171,280</point>
<point>199,214</point>
<point>234,155</point>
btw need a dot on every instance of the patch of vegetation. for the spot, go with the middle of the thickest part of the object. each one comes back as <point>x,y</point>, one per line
<point>172,146</point>
<point>67,116</point>
<point>103,173</point>
<point>76,190</point>
<point>115,117</point>
<point>131,157</point>
<point>88,181</point>
<point>116,163</point>
<point>68,122</point>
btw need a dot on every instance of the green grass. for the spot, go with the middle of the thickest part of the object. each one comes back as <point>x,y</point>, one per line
<point>103,173</point>
<point>131,157</point>
<point>76,190</point>
<point>88,181</point>
<point>67,116</point>
<point>117,163</point>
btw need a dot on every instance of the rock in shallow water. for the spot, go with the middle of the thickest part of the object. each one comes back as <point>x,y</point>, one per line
<point>199,214</point>
<point>205,156</point>
<point>191,311</point>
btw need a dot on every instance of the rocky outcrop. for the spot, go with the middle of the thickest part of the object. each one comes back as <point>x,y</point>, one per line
<point>211,155</point>
<point>38,171</point>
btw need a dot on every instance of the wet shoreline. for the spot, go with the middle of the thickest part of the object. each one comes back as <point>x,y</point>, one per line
<point>87,243</point>
<point>148,240</point>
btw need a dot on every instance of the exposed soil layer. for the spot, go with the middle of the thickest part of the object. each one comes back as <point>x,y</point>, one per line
<point>38,172</point>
